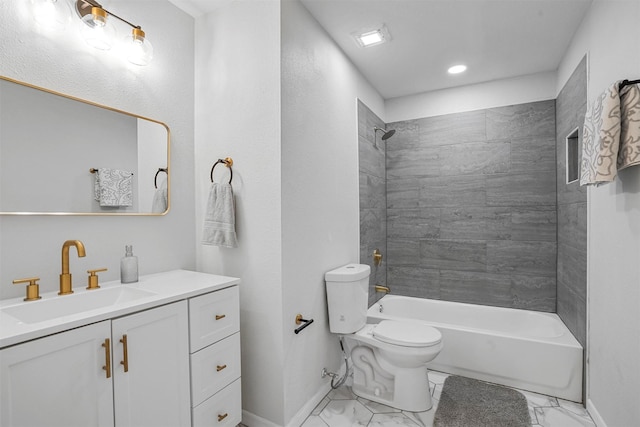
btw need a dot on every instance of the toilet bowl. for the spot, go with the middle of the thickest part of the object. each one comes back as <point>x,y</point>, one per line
<point>389,358</point>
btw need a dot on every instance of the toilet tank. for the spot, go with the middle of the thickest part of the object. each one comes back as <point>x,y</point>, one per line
<point>347,297</point>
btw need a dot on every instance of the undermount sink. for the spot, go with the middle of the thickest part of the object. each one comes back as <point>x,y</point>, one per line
<point>65,305</point>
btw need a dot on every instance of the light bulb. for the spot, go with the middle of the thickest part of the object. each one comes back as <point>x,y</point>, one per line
<point>52,14</point>
<point>98,32</point>
<point>138,48</point>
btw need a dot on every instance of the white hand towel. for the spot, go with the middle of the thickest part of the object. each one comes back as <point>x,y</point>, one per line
<point>160,200</point>
<point>629,152</point>
<point>113,187</point>
<point>219,218</point>
<point>601,138</point>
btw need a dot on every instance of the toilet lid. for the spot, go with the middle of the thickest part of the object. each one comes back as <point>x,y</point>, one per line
<point>407,334</point>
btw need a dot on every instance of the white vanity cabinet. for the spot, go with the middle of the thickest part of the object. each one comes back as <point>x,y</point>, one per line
<point>86,376</point>
<point>57,380</point>
<point>215,358</point>
<point>172,359</point>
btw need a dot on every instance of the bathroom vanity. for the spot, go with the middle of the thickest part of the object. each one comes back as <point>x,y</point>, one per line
<point>164,351</point>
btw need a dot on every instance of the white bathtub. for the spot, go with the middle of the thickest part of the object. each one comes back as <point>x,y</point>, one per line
<point>528,350</point>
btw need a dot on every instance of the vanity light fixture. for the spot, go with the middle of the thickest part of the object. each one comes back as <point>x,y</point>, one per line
<point>52,14</point>
<point>457,69</point>
<point>372,37</point>
<point>99,32</point>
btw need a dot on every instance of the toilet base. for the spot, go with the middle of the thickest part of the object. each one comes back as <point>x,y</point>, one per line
<point>411,391</point>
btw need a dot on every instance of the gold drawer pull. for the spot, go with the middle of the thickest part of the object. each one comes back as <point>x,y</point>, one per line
<point>222,417</point>
<point>107,356</point>
<point>220,368</point>
<point>220,316</point>
<point>125,353</point>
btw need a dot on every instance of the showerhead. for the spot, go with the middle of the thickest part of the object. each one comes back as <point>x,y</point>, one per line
<point>386,134</point>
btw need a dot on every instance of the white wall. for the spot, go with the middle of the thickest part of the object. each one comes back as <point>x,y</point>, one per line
<point>517,90</point>
<point>283,106</point>
<point>238,115</point>
<point>320,203</point>
<point>610,36</point>
<point>31,245</point>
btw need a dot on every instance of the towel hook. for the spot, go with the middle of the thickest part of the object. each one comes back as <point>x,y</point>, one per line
<point>155,179</point>
<point>228,162</point>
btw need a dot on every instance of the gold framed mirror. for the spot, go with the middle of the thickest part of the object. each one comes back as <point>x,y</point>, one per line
<point>62,155</point>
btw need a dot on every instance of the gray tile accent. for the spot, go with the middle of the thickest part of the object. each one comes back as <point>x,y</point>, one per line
<point>535,258</point>
<point>453,191</point>
<point>534,223</point>
<point>453,128</point>
<point>403,252</point>
<point>414,281</point>
<point>533,154</point>
<point>403,193</point>
<point>413,223</point>
<point>521,189</point>
<point>523,120</point>
<point>476,223</point>
<point>461,255</point>
<point>475,158</point>
<point>372,191</point>
<point>571,273</point>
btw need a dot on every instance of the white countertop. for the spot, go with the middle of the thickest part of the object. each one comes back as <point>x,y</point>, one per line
<point>166,287</point>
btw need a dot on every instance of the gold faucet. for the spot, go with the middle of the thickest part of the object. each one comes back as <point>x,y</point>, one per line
<point>65,277</point>
<point>384,289</point>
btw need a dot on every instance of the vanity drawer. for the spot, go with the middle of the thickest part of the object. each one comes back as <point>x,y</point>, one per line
<point>214,367</point>
<point>213,316</point>
<point>224,409</point>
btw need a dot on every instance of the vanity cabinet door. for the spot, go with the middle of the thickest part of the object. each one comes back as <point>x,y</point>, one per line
<point>58,380</point>
<point>151,372</point>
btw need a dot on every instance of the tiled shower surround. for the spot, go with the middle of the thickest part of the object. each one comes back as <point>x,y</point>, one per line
<point>571,106</point>
<point>471,207</point>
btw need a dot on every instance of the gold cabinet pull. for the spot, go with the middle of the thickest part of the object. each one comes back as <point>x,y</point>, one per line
<point>107,356</point>
<point>220,316</point>
<point>125,354</point>
<point>220,367</point>
<point>222,417</point>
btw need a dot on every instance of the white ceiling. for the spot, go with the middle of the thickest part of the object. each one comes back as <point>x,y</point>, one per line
<point>496,39</point>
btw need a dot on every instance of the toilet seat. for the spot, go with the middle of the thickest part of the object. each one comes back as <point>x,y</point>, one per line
<point>407,334</point>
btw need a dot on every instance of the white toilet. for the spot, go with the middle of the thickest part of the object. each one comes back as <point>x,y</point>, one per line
<point>389,358</point>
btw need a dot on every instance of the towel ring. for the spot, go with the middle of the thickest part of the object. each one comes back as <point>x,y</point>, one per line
<point>228,162</point>
<point>155,179</point>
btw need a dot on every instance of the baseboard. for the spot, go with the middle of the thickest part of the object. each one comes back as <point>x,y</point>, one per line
<point>252,420</point>
<point>306,409</point>
<point>595,415</point>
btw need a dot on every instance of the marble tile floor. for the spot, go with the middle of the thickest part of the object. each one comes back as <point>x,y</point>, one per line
<point>341,408</point>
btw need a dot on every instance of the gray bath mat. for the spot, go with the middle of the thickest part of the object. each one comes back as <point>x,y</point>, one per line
<point>465,402</point>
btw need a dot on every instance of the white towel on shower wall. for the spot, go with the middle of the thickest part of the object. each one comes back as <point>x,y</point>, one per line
<point>629,152</point>
<point>220,218</point>
<point>113,187</point>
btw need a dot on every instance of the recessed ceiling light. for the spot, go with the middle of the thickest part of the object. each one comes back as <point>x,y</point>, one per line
<point>372,37</point>
<point>457,69</point>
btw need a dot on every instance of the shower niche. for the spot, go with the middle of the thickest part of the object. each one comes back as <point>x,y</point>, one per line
<point>573,156</point>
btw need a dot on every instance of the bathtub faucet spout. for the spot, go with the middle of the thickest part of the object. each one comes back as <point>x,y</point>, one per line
<point>384,289</point>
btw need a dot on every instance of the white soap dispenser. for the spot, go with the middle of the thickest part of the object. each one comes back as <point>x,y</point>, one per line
<point>129,266</point>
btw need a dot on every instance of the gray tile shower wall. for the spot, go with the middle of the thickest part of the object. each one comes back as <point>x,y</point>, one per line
<point>373,196</point>
<point>471,206</point>
<point>571,106</point>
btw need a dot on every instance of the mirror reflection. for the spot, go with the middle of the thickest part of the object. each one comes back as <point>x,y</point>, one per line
<point>72,156</point>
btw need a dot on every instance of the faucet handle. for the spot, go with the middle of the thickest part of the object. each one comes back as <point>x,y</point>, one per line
<point>93,278</point>
<point>33,288</point>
